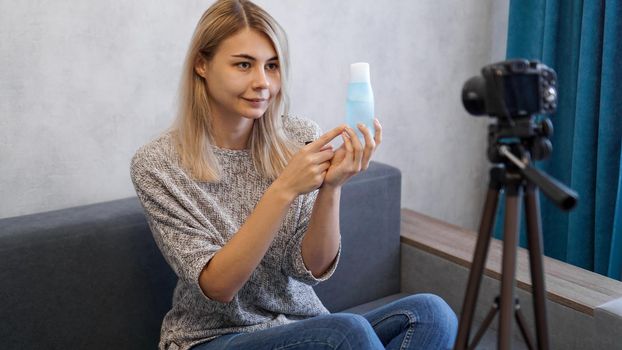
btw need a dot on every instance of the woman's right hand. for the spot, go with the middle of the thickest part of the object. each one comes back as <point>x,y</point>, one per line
<point>306,170</point>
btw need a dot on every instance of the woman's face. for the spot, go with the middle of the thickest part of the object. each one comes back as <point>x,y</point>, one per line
<point>243,77</point>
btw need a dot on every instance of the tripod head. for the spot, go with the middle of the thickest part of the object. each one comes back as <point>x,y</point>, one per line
<point>513,92</point>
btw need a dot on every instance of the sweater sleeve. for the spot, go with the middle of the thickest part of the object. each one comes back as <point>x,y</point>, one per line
<point>186,244</point>
<point>293,263</point>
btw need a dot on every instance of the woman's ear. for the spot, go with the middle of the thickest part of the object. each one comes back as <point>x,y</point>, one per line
<point>200,66</point>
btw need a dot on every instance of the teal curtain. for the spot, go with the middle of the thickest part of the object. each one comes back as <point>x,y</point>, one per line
<point>582,42</point>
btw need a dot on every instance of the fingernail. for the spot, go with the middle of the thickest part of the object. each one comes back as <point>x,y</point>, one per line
<point>361,125</point>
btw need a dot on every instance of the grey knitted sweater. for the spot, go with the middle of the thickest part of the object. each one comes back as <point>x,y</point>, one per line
<point>191,221</point>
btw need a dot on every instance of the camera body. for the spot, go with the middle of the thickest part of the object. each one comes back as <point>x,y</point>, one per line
<point>513,89</point>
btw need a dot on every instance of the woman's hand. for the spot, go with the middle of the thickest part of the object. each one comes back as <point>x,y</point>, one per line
<point>352,157</point>
<point>306,170</point>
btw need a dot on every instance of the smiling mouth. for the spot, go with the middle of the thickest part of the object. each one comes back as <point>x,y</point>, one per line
<point>255,99</point>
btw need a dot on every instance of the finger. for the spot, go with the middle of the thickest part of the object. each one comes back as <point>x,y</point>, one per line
<point>378,133</point>
<point>348,144</point>
<point>354,139</point>
<point>324,166</point>
<point>357,146</point>
<point>325,147</point>
<point>341,149</point>
<point>370,145</point>
<point>326,138</point>
<point>323,156</point>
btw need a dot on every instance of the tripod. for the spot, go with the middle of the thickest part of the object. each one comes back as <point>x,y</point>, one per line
<point>516,177</point>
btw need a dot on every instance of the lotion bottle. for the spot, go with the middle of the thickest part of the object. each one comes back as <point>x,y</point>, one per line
<point>360,100</point>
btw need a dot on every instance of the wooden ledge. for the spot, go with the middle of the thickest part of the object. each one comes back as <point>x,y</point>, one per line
<point>566,284</point>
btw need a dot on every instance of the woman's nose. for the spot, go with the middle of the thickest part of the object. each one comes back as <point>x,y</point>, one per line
<point>260,80</point>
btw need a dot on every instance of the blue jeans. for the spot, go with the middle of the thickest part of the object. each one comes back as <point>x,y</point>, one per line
<point>421,321</point>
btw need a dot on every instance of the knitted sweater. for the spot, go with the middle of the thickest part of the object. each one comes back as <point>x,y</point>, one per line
<point>191,221</point>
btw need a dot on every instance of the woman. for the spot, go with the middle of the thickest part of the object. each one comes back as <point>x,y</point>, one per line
<point>243,202</point>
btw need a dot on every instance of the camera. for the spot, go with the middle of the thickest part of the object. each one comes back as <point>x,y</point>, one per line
<point>513,89</point>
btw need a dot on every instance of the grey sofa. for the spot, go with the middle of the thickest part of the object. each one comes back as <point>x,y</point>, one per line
<point>91,277</point>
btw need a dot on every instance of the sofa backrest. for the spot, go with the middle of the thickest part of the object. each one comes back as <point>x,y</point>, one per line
<point>92,276</point>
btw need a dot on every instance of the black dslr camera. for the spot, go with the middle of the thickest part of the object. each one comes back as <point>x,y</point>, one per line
<point>516,88</point>
<point>514,92</point>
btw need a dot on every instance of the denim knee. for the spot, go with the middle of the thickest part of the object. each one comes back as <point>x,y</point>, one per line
<point>358,333</point>
<point>433,310</point>
<point>351,323</point>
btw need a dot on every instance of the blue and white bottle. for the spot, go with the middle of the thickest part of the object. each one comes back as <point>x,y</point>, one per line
<point>360,100</point>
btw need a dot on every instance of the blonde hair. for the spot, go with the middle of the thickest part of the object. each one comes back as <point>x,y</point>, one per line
<point>192,130</point>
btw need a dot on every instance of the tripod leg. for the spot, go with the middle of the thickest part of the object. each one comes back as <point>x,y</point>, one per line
<point>510,242</point>
<point>522,324</point>
<point>479,259</point>
<point>484,326</point>
<point>534,238</point>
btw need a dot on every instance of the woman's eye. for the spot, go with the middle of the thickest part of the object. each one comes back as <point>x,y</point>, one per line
<point>244,65</point>
<point>272,66</point>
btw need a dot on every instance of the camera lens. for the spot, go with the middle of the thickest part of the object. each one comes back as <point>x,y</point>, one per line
<point>473,95</point>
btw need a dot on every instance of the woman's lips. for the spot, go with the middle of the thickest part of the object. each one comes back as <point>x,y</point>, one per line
<point>255,102</point>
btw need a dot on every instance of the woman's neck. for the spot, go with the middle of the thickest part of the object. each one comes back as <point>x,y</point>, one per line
<point>232,133</point>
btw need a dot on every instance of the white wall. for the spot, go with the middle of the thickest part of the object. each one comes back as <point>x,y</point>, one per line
<point>84,84</point>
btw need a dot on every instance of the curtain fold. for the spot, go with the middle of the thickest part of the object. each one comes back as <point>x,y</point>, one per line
<point>582,42</point>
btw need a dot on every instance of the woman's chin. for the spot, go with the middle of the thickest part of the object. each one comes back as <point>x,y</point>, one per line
<point>255,114</point>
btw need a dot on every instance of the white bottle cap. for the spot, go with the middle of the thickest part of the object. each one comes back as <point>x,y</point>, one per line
<point>359,72</point>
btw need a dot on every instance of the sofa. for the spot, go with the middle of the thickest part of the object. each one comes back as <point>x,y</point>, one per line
<point>92,277</point>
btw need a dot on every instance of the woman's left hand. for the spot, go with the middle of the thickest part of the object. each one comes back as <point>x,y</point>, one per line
<point>352,157</point>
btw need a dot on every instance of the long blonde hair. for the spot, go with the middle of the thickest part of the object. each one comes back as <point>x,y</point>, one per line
<point>192,130</point>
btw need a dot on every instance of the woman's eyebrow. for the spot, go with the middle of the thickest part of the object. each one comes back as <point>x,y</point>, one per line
<point>249,57</point>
